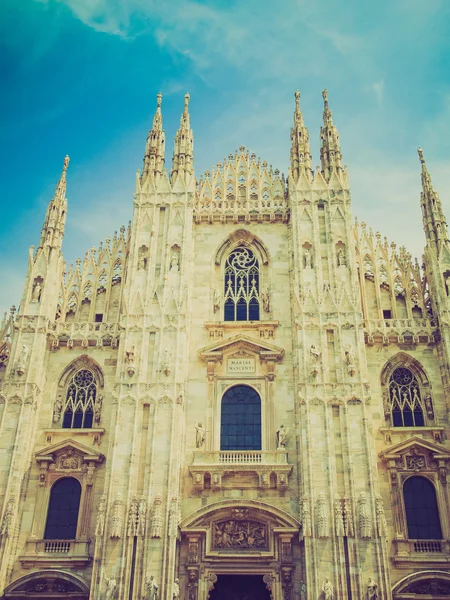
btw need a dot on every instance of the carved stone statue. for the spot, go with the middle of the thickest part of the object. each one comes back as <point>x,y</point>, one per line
<point>428,405</point>
<point>307,259</point>
<point>5,530</point>
<point>176,590</point>
<point>57,409</point>
<point>328,590</point>
<point>98,409</point>
<point>340,256</point>
<point>22,360</point>
<point>166,361</point>
<point>281,437</point>
<point>130,355</point>
<point>199,435</point>
<point>100,524</point>
<point>156,522</point>
<point>151,588</point>
<point>216,300</point>
<point>372,589</point>
<point>175,262</point>
<point>265,298</point>
<point>314,354</point>
<point>111,586</point>
<point>302,590</point>
<point>37,290</point>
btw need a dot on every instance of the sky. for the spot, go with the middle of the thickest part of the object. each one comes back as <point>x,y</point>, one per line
<point>80,77</point>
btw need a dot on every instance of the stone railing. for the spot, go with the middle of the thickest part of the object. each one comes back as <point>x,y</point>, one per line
<point>426,552</point>
<point>84,334</point>
<point>66,552</point>
<point>402,331</point>
<point>240,457</point>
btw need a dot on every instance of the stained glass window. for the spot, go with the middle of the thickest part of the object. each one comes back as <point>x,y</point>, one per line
<point>241,286</point>
<point>405,399</point>
<point>80,400</point>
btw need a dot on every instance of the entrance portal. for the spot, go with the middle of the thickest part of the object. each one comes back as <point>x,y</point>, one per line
<point>240,587</point>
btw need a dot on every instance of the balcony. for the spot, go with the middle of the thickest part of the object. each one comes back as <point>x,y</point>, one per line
<point>212,468</point>
<point>399,331</point>
<point>72,553</point>
<point>424,552</point>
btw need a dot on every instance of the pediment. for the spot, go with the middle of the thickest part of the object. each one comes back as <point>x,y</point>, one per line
<point>241,343</point>
<point>69,448</point>
<point>415,444</point>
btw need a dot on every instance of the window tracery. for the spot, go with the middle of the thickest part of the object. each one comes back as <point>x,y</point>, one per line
<point>241,286</point>
<point>405,399</point>
<point>80,405</point>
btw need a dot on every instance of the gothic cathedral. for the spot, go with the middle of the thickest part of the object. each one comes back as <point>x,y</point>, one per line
<point>243,395</point>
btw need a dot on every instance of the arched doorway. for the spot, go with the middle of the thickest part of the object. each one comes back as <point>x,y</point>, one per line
<point>239,550</point>
<point>240,587</point>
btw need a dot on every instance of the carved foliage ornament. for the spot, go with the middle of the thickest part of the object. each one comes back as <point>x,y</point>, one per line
<point>239,534</point>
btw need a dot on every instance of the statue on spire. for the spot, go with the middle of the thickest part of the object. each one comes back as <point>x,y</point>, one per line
<point>183,154</point>
<point>434,222</point>
<point>330,150</point>
<point>154,147</point>
<point>300,149</point>
<point>53,229</point>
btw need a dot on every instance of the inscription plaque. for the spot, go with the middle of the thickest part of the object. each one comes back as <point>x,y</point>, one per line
<point>241,365</point>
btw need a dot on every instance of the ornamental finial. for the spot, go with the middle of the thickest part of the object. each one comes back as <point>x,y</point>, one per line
<point>420,153</point>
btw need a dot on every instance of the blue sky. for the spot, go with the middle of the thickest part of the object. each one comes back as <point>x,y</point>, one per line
<point>80,77</point>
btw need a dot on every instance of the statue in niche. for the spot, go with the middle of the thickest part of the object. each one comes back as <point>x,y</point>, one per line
<point>200,432</point>
<point>281,437</point>
<point>142,258</point>
<point>307,259</point>
<point>314,354</point>
<point>327,589</point>
<point>175,263</point>
<point>340,257</point>
<point>302,590</point>
<point>111,585</point>
<point>37,290</point>
<point>151,588</point>
<point>372,589</point>
<point>447,283</point>
<point>176,590</point>
<point>428,404</point>
<point>22,360</point>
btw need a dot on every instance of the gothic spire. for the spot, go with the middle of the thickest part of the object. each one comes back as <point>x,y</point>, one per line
<point>434,223</point>
<point>154,147</point>
<point>330,150</point>
<point>183,154</point>
<point>53,229</point>
<point>300,150</point>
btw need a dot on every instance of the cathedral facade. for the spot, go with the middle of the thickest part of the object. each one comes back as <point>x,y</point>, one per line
<point>244,394</point>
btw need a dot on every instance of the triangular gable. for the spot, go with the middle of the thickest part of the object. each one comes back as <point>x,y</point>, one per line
<point>49,452</point>
<point>266,351</point>
<point>414,443</point>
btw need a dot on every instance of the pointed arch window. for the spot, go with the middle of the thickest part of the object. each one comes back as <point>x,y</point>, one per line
<point>240,423</point>
<point>63,509</point>
<point>242,280</point>
<point>405,399</point>
<point>80,400</point>
<point>422,514</point>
